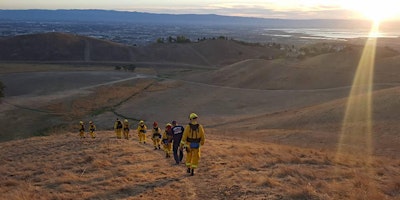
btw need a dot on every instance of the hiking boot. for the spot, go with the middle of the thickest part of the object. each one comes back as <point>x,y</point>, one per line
<point>188,170</point>
<point>192,173</point>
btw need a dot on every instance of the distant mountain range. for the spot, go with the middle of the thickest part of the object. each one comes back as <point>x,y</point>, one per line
<point>107,16</point>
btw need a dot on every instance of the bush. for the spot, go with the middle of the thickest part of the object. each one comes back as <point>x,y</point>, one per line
<point>130,67</point>
<point>160,40</point>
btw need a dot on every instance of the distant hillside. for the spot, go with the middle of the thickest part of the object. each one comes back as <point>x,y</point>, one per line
<point>210,52</point>
<point>328,70</point>
<point>69,47</point>
<point>61,47</point>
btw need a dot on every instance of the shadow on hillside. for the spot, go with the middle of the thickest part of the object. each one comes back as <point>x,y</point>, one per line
<point>134,190</point>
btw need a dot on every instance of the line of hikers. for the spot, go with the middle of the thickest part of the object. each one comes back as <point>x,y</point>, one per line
<point>174,139</point>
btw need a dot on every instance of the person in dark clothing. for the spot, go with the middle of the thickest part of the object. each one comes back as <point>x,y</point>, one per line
<point>177,131</point>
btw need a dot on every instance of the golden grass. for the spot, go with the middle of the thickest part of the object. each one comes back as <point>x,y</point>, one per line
<point>66,167</point>
<point>296,173</point>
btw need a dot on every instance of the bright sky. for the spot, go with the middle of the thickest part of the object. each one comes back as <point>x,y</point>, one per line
<point>294,9</point>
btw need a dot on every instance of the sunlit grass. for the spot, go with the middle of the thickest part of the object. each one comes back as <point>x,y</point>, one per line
<point>357,133</point>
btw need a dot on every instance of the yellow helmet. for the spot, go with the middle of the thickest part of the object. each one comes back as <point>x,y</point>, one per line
<point>193,116</point>
<point>125,120</point>
<point>81,122</point>
<point>170,125</point>
<point>90,122</point>
<point>141,122</point>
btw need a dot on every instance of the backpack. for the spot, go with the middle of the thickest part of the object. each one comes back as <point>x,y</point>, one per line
<point>119,124</point>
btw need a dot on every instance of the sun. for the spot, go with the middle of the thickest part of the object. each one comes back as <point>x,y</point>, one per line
<point>376,10</point>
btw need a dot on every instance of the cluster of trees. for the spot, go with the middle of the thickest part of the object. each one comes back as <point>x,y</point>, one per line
<point>177,39</point>
<point>130,67</point>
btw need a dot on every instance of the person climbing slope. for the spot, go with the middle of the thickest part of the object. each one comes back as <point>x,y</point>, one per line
<point>118,128</point>
<point>92,129</point>
<point>126,129</point>
<point>141,130</point>
<point>177,131</point>
<point>81,129</point>
<point>156,136</point>
<point>167,140</point>
<point>193,138</point>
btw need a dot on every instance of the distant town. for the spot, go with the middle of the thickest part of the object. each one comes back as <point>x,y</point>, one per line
<point>137,29</point>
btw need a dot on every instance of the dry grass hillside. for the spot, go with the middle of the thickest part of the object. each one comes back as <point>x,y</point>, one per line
<point>61,47</point>
<point>69,47</point>
<point>324,71</point>
<point>273,126</point>
<point>65,167</point>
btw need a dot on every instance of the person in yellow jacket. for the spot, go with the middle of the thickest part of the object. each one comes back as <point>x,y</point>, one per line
<point>141,130</point>
<point>81,129</point>
<point>126,129</point>
<point>118,128</point>
<point>193,138</point>
<point>156,136</point>
<point>167,140</point>
<point>92,129</point>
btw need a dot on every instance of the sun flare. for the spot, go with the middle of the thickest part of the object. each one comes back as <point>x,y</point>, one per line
<point>374,10</point>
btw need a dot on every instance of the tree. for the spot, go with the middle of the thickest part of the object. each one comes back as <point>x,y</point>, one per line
<point>1,89</point>
<point>182,39</point>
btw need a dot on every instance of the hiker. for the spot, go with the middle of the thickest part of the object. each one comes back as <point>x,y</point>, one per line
<point>92,129</point>
<point>156,137</point>
<point>177,132</point>
<point>167,140</point>
<point>82,129</point>
<point>141,130</point>
<point>118,128</point>
<point>126,129</point>
<point>193,138</point>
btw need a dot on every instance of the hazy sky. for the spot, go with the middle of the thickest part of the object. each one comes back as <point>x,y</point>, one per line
<point>295,9</point>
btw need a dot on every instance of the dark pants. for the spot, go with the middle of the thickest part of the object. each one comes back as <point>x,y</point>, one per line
<point>178,156</point>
